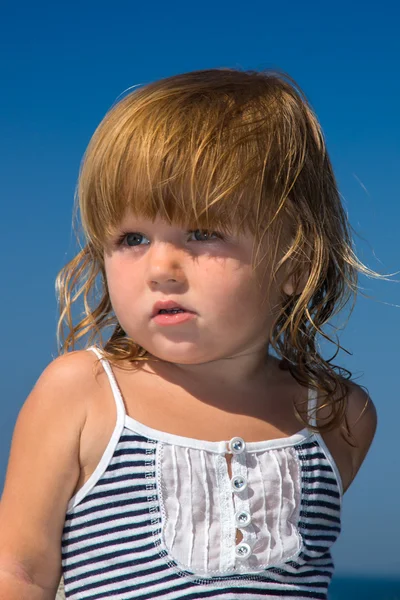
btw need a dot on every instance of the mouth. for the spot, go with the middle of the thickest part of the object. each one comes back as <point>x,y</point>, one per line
<point>168,308</point>
<point>171,311</point>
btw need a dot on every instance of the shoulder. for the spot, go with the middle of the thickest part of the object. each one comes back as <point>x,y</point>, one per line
<point>69,377</point>
<point>361,420</point>
<point>350,441</point>
<point>68,369</point>
<point>61,394</point>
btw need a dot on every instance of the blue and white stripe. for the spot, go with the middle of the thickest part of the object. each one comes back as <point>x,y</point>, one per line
<point>112,545</point>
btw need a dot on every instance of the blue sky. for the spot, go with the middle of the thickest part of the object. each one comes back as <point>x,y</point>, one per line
<point>63,66</point>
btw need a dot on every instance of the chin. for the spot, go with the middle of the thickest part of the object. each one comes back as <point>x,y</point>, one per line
<point>184,353</point>
<point>179,358</point>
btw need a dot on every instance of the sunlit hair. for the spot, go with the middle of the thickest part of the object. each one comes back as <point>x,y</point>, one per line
<point>222,150</point>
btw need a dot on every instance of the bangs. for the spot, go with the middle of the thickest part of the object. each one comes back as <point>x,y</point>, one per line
<point>196,152</point>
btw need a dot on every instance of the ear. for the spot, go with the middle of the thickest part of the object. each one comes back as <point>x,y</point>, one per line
<point>295,283</point>
<point>296,268</point>
<point>292,287</point>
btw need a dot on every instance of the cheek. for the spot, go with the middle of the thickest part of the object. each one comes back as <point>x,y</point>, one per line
<point>231,289</point>
<point>121,288</point>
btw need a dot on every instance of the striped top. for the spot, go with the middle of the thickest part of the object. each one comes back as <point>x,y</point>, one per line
<point>162,517</point>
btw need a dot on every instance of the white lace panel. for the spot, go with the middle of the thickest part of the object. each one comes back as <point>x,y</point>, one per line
<point>199,505</point>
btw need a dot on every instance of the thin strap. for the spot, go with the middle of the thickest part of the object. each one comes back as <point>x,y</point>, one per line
<point>121,412</point>
<point>312,406</point>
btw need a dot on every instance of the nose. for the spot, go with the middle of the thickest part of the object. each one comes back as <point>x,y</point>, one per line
<point>165,264</point>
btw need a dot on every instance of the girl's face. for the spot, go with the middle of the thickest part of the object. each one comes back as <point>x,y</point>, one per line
<point>204,273</point>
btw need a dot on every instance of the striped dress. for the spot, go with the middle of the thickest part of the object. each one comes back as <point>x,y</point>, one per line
<point>162,517</point>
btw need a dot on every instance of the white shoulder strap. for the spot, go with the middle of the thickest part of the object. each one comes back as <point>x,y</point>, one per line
<point>312,406</point>
<point>119,402</point>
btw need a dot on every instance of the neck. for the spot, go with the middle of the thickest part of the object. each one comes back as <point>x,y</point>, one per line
<point>234,374</point>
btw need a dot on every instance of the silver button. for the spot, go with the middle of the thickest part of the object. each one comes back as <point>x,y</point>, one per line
<point>243,518</point>
<point>237,445</point>
<point>242,550</point>
<point>239,483</point>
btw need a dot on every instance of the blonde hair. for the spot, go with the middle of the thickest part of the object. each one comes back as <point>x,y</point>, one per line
<point>226,150</point>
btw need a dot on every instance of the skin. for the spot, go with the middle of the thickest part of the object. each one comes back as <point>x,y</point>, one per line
<point>227,342</point>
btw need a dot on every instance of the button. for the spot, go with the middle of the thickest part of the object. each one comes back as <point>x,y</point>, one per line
<point>242,550</point>
<point>243,518</point>
<point>236,445</point>
<point>239,483</point>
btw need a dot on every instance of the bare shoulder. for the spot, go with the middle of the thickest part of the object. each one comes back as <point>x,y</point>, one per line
<point>69,382</point>
<point>69,369</point>
<point>362,423</point>
<point>349,451</point>
<point>60,391</point>
<point>43,469</point>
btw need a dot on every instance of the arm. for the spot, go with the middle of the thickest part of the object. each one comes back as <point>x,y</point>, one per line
<point>14,584</point>
<point>42,473</point>
<point>362,420</point>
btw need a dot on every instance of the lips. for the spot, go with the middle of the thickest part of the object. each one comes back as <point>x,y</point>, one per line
<point>167,305</point>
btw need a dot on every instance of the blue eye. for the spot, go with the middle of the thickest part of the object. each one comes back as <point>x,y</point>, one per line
<point>207,233</point>
<point>132,239</point>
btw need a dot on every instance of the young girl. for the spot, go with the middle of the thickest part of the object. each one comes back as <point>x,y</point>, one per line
<point>181,458</point>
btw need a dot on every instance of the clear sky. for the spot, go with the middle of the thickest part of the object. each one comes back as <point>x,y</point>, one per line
<point>64,64</point>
